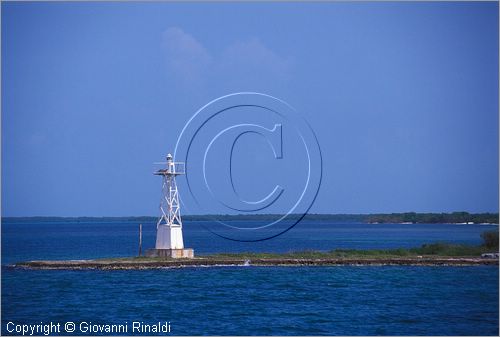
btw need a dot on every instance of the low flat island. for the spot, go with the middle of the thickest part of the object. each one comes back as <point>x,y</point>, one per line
<point>158,263</point>
<point>437,254</point>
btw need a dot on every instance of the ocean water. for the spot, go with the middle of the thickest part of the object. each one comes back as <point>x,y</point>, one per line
<point>358,300</point>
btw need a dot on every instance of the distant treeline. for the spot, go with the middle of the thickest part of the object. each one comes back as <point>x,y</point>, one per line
<point>455,217</point>
<point>410,217</point>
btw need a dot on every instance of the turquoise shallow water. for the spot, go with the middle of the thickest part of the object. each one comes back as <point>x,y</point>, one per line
<point>251,300</point>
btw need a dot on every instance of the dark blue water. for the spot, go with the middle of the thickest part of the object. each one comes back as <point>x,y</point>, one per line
<point>250,300</point>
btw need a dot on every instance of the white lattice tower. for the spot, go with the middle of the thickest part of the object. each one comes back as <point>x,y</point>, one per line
<point>169,205</point>
<point>169,225</point>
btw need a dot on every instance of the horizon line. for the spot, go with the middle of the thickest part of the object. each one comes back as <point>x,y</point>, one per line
<point>241,214</point>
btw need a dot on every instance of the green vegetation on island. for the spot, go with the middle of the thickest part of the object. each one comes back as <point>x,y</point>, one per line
<point>438,249</point>
<point>490,239</point>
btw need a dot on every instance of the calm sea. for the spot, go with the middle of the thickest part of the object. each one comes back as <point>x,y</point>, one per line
<point>250,300</point>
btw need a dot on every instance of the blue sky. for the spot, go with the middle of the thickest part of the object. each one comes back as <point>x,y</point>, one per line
<point>403,98</point>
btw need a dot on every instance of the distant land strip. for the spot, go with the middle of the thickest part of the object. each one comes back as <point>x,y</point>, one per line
<point>408,217</point>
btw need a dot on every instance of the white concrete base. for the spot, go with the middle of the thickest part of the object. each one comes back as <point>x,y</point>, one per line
<point>169,237</point>
<point>173,253</point>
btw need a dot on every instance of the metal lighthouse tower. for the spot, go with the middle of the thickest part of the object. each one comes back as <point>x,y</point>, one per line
<point>169,226</point>
<point>169,241</point>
